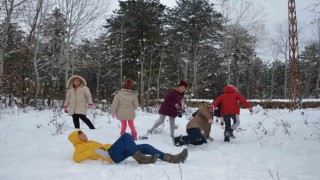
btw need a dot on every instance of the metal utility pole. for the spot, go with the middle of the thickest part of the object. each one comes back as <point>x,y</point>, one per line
<point>294,81</point>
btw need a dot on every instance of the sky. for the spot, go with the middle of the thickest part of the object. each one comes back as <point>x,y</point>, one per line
<point>276,12</point>
<point>270,144</point>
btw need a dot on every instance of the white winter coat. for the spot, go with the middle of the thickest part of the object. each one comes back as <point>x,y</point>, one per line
<point>77,100</point>
<point>124,103</point>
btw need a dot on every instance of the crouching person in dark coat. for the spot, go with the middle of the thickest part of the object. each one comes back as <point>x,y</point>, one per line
<point>123,148</point>
<point>198,129</point>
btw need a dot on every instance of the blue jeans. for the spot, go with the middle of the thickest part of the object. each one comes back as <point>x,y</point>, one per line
<point>194,137</point>
<point>125,147</point>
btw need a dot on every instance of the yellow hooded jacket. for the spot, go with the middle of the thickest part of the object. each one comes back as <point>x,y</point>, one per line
<point>85,149</point>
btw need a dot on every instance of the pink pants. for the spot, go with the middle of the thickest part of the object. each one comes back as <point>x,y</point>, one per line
<point>131,125</point>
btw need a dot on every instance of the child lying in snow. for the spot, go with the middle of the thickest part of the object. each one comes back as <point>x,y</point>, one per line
<point>123,148</point>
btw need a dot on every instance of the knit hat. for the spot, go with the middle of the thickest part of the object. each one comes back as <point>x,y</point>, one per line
<point>183,83</point>
<point>128,84</point>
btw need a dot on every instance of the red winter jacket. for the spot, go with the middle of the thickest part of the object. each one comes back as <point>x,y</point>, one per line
<point>229,101</point>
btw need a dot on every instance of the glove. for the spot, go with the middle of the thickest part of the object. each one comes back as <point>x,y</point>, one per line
<point>113,116</point>
<point>211,107</point>
<point>177,106</point>
<point>251,111</point>
<point>210,139</point>
<point>90,106</point>
<point>65,108</point>
<point>102,153</point>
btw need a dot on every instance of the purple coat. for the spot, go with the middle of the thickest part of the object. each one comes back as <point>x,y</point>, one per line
<point>167,106</point>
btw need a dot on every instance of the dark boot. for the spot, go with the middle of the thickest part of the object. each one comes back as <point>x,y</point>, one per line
<point>231,134</point>
<point>181,157</point>
<point>222,125</point>
<point>177,141</point>
<point>143,159</point>
<point>149,132</point>
<point>226,139</point>
<point>227,136</point>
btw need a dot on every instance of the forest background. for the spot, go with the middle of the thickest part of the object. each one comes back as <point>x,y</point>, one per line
<point>43,43</point>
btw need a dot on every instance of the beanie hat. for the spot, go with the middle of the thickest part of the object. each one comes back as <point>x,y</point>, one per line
<point>128,84</point>
<point>183,83</point>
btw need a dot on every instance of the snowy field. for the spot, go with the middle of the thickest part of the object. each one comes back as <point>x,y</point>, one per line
<point>270,145</point>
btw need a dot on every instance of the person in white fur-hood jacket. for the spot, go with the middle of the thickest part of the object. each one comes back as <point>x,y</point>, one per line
<point>78,100</point>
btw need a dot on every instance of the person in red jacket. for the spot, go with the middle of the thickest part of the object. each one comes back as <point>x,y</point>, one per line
<point>230,109</point>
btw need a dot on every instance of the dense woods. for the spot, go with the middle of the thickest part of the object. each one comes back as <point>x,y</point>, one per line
<point>43,43</point>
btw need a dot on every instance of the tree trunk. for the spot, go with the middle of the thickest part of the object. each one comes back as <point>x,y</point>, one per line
<point>142,86</point>
<point>272,81</point>
<point>35,59</point>
<point>142,77</point>
<point>121,52</point>
<point>194,84</point>
<point>98,72</point>
<point>186,70</point>
<point>159,74</point>
<point>36,71</point>
<point>149,83</point>
<point>318,82</point>
<point>7,20</point>
<point>229,71</point>
<point>309,77</point>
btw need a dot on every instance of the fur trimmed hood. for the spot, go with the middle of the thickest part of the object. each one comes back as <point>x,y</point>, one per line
<point>83,81</point>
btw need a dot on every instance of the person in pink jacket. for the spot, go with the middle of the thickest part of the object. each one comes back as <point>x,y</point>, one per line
<point>124,104</point>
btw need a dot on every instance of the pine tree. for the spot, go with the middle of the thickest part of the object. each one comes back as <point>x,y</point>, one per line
<point>309,70</point>
<point>135,34</point>
<point>196,29</point>
<point>54,29</point>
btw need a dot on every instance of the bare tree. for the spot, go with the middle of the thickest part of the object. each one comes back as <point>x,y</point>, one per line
<point>159,73</point>
<point>36,21</point>
<point>275,54</point>
<point>81,15</point>
<point>9,6</point>
<point>281,44</point>
<point>315,7</point>
<point>245,15</point>
<point>33,25</point>
<point>316,24</point>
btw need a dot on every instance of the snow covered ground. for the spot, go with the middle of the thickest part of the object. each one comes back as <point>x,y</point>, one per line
<point>270,144</point>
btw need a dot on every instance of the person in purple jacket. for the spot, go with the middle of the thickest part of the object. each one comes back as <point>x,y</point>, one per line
<point>170,106</point>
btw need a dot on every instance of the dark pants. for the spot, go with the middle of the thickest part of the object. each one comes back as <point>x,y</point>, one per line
<point>125,147</point>
<point>84,118</point>
<point>194,137</point>
<point>227,119</point>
